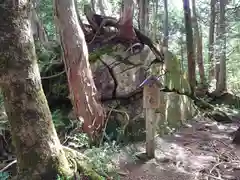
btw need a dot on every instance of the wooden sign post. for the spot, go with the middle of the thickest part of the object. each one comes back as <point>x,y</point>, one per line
<point>151,101</point>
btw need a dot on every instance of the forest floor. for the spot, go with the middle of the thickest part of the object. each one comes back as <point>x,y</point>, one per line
<point>201,150</point>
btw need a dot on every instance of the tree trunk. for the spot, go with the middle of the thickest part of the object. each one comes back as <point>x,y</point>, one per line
<point>126,21</point>
<point>101,7</point>
<point>217,45</point>
<point>38,30</point>
<point>211,40</point>
<point>198,41</point>
<point>38,149</point>
<point>165,39</point>
<point>221,81</point>
<point>156,19</point>
<point>93,4</point>
<point>190,50</point>
<point>83,91</point>
<point>182,51</point>
<point>143,16</point>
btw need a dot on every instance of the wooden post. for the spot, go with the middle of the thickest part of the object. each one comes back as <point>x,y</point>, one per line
<point>151,101</point>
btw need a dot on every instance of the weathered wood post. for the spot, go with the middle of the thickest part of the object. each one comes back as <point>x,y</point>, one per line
<point>151,102</point>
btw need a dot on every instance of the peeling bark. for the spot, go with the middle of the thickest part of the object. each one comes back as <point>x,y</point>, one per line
<point>126,21</point>
<point>83,91</point>
<point>38,149</point>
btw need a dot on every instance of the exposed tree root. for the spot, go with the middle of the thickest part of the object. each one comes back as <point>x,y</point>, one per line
<point>81,164</point>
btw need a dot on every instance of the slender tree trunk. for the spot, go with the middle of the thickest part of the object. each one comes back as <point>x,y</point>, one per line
<point>101,7</point>
<point>221,81</point>
<point>190,50</point>
<point>38,149</point>
<point>155,26</point>
<point>144,16</point>
<point>217,45</point>
<point>200,59</point>
<point>198,41</point>
<point>38,30</point>
<point>182,52</point>
<point>211,40</point>
<point>93,4</point>
<point>165,39</point>
<point>83,91</point>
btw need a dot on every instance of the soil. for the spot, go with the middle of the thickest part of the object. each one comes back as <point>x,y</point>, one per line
<point>201,150</point>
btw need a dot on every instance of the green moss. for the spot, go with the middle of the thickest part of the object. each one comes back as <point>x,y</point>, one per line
<point>83,165</point>
<point>95,55</point>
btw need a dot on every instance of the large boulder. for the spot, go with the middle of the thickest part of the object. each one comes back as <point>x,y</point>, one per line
<point>128,112</point>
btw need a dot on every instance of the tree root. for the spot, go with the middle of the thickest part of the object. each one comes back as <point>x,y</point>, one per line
<point>81,163</point>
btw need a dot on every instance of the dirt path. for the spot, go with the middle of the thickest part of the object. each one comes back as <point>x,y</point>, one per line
<point>201,150</point>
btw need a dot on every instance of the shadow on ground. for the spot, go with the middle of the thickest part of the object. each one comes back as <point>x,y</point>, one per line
<point>200,150</point>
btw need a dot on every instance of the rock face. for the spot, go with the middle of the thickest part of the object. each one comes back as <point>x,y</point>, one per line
<point>128,76</point>
<point>129,111</point>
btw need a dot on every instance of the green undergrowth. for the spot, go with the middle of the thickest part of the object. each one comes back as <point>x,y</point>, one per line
<point>4,176</point>
<point>100,157</point>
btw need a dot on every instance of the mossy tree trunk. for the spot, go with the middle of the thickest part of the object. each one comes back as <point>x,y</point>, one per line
<point>83,91</point>
<point>38,149</point>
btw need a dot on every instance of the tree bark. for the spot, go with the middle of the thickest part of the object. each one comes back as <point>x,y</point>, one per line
<point>126,21</point>
<point>93,4</point>
<point>38,30</point>
<point>101,7</point>
<point>165,38</point>
<point>221,85</point>
<point>143,16</point>
<point>190,51</point>
<point>38,149</point>
<point>211,40</point>
<point>217,40</point>
<point>198,41</point>
<point>83,91</point>
<point>156,19</point>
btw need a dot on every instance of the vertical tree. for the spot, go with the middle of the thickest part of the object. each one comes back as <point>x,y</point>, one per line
<point>211,39</point>
<point>165,38</point>
<point>83,91</point>
<point>93,4</point>
<point>38,149</point>
<point>221,79</point>
<point>156,19</point>
<point>126,21</point>
<point>101,7</point>
<point>198,41</point>
<point>143,15</point>
<point>38,30</point>
<point>190,50</point>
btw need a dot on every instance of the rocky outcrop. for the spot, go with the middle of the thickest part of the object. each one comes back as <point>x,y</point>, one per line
<point>116,79</point>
